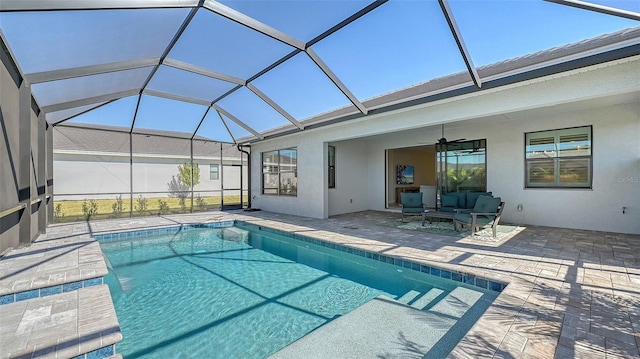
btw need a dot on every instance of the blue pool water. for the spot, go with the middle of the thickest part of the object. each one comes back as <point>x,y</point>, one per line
<point>231,293</point>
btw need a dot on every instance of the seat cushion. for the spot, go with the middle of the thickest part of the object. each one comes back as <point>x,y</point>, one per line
<point>472,197</point>
<point>467,218</point>
<point>449,200</point>
<point>487,204</point>
<point>412,210</point>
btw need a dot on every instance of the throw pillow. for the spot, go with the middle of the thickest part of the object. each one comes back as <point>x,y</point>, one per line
<point>472,197</point>
<point>449,200</point>
<point>487,204</point>
<point>462,199</point>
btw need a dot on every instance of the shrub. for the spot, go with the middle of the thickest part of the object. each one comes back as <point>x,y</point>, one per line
<point>163,207</point>
<point>141,205</point>
<point>117,207</point>
<point>183,204</point>
<point>57,213</point>
<point>89,209</point>
<point>200,203</point>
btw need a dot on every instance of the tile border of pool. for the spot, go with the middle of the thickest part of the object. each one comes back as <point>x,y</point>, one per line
<point>51,290</point>
<point>102,353</point>
<point>476,281</point>
<point>457,276</point>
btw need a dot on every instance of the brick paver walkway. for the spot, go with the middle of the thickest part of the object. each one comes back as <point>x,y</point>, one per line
<point>571,293</point>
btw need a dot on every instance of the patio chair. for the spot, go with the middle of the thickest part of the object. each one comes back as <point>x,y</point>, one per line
<point>486,212</point>
<point>411,204</point>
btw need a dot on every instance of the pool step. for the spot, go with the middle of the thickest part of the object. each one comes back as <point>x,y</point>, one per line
<point>234,234</point>
<point>454,304</point>
<point>374,329</point>
<point>427,298</point>
<point>379,324</point>
<point>457,303</point>
<point>420,300</point>
<point>408,296</point>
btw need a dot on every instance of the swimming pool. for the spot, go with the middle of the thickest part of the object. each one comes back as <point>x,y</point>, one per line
<point>246,291</point>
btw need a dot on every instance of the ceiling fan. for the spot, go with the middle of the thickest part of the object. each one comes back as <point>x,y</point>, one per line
<point>444,141</point>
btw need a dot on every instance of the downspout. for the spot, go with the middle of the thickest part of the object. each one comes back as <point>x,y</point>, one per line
<point>248,174</point>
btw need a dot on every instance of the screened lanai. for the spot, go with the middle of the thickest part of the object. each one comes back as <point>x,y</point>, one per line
<point>237,71</point>
<point>170,83</point>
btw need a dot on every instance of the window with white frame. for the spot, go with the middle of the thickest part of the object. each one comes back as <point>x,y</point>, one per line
<point>214,172</point>
<point>559,158</point>
<point>280,172</point>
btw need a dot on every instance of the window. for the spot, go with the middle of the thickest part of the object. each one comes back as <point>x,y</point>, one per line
<point>332,167</point>
<point>214,173</point>
<point>280,172</point>
<point>559,158</point>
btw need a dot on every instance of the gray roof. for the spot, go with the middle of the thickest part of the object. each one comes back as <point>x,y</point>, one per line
<point>108,139</point>
<point>541,61</point>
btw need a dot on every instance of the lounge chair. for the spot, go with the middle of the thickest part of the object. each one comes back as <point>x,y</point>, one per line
<point>486,212</point>
<point>411,204</point>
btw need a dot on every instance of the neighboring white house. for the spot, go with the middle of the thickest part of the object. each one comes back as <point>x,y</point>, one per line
<point>601,101</point>
<point>85,160</point>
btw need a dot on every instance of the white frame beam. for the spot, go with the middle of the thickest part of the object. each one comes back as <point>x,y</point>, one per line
<point>89,100</point>
<point>252,23</point>
<point>336,81</point>
<point>202,71</point>
<point>457,35</point>
<point>55,75</point>
<point>584,5</point>
<point>237,121</point>
<point>227,127</point>
<point>46,5</point>
<point>78,114</point>
<point>274,105</point>
<point>176,97</point>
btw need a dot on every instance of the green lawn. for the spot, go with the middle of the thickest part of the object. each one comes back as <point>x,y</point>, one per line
<point>71,211</point>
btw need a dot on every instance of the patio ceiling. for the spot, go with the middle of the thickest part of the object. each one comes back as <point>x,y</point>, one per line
<point>238,71</point>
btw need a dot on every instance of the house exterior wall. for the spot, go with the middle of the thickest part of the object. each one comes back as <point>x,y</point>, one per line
<point>100,176</point>
<point>501,116</point>
<point>351,193</point>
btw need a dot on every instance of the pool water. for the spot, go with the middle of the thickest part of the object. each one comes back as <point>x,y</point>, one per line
<point>231,293</point>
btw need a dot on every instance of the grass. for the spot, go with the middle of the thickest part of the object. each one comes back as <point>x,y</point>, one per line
<point>71,211</point>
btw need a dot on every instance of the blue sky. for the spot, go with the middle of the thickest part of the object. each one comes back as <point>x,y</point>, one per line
<point>399,44</point>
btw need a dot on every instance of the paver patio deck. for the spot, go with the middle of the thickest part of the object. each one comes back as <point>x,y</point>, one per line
<point>571,293</point>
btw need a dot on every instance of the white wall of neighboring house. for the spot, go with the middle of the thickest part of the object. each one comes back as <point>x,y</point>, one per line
<point>603,96</point>
<point>78,175</point>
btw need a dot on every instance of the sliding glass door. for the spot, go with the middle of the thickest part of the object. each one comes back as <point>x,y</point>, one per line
<point>461,167</point>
